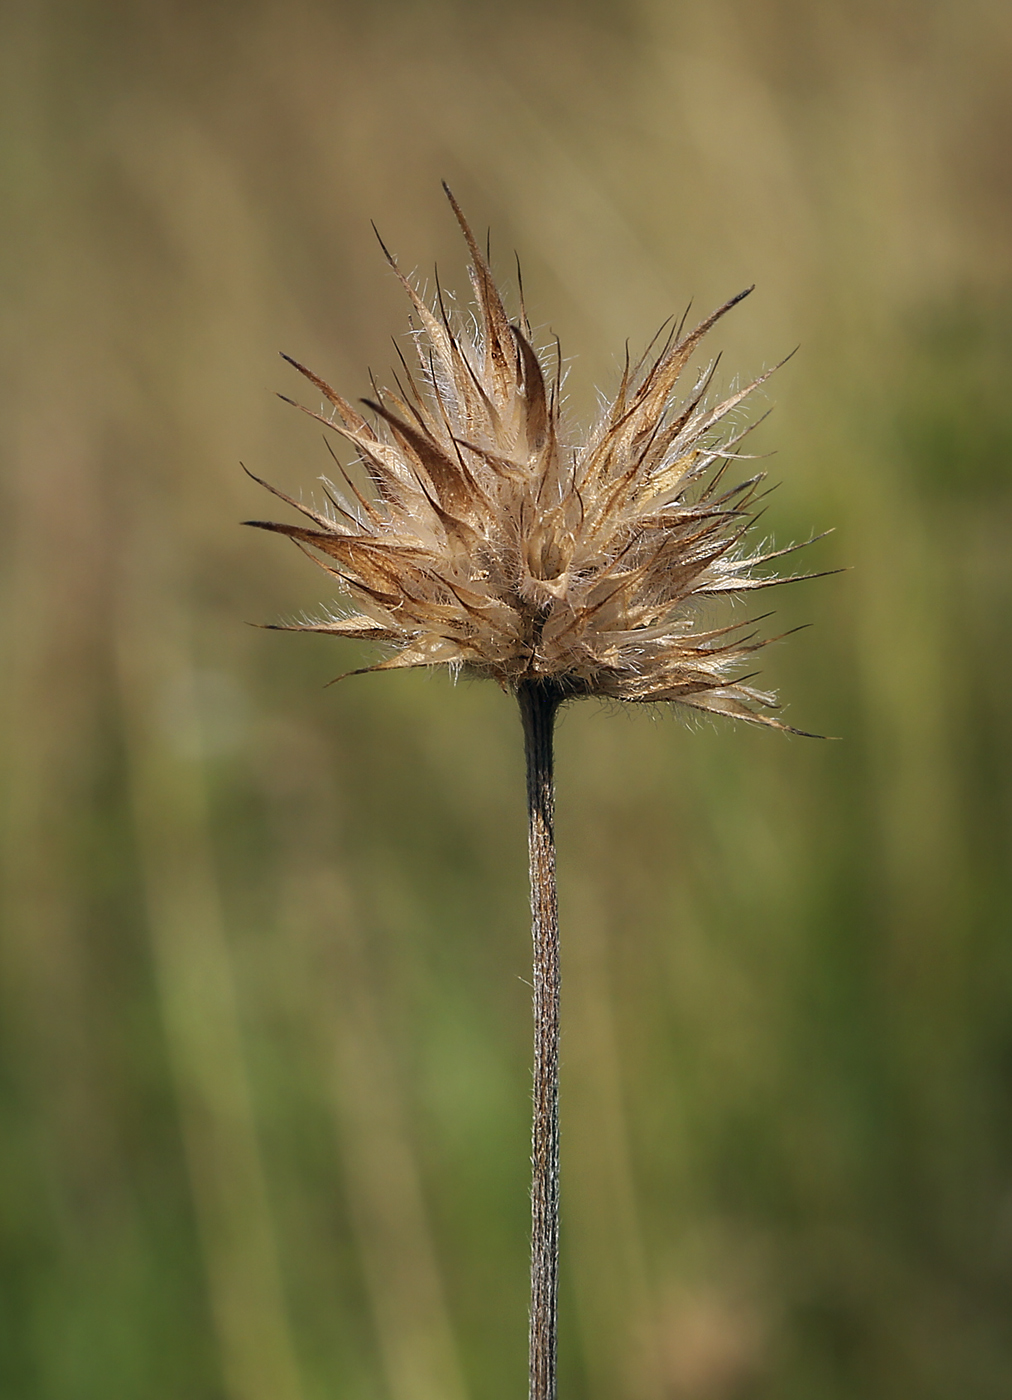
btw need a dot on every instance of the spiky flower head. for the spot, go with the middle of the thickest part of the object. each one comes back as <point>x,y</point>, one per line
<point>492,540</point>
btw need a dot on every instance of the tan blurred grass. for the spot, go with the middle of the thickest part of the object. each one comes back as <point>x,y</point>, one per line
<point>788,1000</point>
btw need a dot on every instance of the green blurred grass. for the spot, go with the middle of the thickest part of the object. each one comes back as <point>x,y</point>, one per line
<point>263,1091</point>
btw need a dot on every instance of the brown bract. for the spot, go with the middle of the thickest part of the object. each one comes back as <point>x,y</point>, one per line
<point>493,541</point>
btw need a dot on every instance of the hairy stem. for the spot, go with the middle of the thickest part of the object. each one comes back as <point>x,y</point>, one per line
<point>538,705</point>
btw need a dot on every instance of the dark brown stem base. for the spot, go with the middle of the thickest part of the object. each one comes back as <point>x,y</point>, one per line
<point>538,706</point>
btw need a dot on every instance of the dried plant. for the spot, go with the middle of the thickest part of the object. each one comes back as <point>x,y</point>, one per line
<point>492,541</point>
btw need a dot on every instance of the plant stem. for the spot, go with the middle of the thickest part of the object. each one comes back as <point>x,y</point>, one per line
<point>538,705</point>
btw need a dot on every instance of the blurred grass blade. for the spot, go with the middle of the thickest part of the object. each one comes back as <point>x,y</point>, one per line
<point>199,1007</point>
<point>405,1288</point>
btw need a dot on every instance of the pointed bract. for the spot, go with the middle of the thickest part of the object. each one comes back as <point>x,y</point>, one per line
<point>497,543</point>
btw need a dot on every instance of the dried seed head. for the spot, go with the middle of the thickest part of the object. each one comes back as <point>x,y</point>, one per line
<point>491,541</point>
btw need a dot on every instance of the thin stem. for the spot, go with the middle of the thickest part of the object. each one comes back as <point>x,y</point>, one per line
<point>538,705</point>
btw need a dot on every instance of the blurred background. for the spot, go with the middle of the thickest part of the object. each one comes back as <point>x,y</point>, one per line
<point>265,1015</point>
